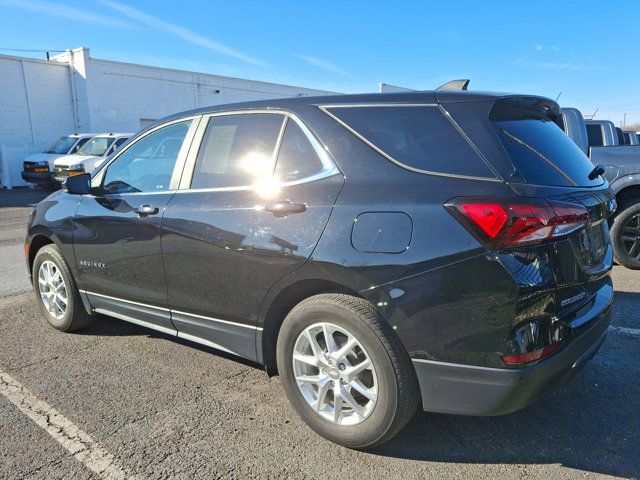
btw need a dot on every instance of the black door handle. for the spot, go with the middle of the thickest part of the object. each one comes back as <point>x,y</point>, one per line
<point>146,210</point>
<point>285,207</point>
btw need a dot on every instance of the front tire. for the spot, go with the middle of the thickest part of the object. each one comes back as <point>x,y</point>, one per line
<point>625,236</point>
<point>345,371</point>
<point>56,291</point>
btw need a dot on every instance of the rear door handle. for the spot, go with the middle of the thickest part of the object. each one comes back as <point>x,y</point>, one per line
<point>146,210</point>
<point>285,207</point>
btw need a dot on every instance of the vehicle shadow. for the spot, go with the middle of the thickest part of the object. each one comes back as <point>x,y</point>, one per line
<point>105,326</point>
<point>590,424</point>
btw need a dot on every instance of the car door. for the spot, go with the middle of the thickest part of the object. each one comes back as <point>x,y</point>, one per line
<point>234,228</point>
<point>117,227</point>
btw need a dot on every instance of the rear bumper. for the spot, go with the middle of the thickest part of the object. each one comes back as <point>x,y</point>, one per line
<point>473,390</point>
<point>39,178</point>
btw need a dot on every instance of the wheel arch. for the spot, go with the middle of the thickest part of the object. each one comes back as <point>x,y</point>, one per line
<point>628,194</point>
<point>38,241</point>
<point>280,306</point>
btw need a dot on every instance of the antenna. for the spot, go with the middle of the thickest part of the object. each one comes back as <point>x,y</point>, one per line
<point>558,96</point>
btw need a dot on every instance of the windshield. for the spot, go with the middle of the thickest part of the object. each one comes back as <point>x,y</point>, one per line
<point>96,146</point>
<point>544,155</point>
<point>62,145</point>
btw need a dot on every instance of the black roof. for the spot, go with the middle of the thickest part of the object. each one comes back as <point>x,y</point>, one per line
<point>394,97</point>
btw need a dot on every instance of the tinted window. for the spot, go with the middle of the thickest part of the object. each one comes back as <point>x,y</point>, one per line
<point>296,158</point>
<point>594,132</point>
<point>237,150</point>
<point>543,154</point>
<point>419,137</point>
<point>147,165</point>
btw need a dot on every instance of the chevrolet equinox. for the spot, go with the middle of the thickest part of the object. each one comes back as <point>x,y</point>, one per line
<point>378,252</point>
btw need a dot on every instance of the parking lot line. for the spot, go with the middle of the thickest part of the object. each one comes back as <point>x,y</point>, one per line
<point>624,330</point>
<point>77,442</point>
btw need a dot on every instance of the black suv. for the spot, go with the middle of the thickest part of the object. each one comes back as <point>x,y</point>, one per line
<point>377,251</point>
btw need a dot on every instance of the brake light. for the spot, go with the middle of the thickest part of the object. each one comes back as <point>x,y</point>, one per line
<point>530,356</point>
<point>502,224</point>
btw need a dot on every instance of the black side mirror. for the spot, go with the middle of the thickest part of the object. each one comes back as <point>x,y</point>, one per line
<point>79,184</point>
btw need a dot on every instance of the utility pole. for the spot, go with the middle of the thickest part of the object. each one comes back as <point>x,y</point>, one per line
<point>624,120</point>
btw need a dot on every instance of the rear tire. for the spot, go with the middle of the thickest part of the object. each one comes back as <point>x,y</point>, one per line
<point>56,291</point>
<point>390,391</point>
<point>625,237</point>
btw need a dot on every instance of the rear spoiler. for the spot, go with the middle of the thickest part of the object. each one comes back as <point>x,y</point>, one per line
<point>454,86</point>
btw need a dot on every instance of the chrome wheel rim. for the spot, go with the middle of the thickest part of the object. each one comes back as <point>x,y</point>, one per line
<point>53,290</point>
<point>631,236</point>
<point>335,374</point>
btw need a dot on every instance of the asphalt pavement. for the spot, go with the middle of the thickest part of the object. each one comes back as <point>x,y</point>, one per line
<point>152,406</point>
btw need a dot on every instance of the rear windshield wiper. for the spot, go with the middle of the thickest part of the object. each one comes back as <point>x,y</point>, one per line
<point>598,171</point>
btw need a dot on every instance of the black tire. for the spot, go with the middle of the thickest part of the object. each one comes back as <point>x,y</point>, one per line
<point>75,316</point>
<point>625,237</point>
<point>398,391</point>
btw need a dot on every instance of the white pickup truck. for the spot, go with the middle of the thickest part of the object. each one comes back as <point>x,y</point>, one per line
<point>620,165</point>
<point>37,168</point>
<point>89,157</point>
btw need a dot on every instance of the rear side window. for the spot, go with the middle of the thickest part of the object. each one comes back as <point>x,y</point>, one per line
<point>594,132</point>
<point>543,154</point>
<point>297,158</point>
<point>420,138</point>
<point>237,150</point>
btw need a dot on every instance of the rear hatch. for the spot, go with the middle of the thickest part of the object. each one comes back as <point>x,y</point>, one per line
<point>561,269</point>
<point>549,165</point>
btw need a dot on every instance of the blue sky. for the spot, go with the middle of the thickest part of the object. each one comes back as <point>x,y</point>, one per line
<point>542,47</point>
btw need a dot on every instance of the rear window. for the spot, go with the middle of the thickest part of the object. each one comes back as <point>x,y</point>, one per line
<point>418,137</point>
<point>543,154</point>
<point>594,132</point>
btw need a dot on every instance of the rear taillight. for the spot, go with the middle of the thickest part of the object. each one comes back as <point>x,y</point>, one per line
<point>503,224</point>
<point>530,356</point>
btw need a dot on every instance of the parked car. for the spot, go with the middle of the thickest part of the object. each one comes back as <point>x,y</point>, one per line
<point>90,156</point>
<point>447,249</point>
<point>37,168</point>
<point>630,137</point>
<point>621,167</point>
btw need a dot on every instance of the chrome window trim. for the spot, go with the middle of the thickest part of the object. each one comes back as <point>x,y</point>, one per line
<point>325,109</point>
<point>329,167</point>
<point>97,177</point>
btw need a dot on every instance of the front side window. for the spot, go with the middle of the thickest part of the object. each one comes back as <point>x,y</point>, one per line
<point>417,137</point>
<point>297,159</point>
<point>147,165</point>
<point>79,145</point>
<point>97,146</point>
<point>62,146</point>
<point>237,150</point>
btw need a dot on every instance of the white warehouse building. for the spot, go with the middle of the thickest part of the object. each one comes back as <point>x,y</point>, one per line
<point>41,100</point>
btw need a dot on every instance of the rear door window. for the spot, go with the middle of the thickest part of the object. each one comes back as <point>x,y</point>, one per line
<point>417,137</point>
<point>543,154</point>
<point>297,158</point>
<point>237,150</point>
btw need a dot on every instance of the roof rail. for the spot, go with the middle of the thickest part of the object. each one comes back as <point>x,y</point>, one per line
<point>454,86</point>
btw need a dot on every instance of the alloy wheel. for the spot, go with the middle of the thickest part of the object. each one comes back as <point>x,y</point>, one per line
<point>335,374</point>
<point>631,236</point>
<point>53,290</point>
